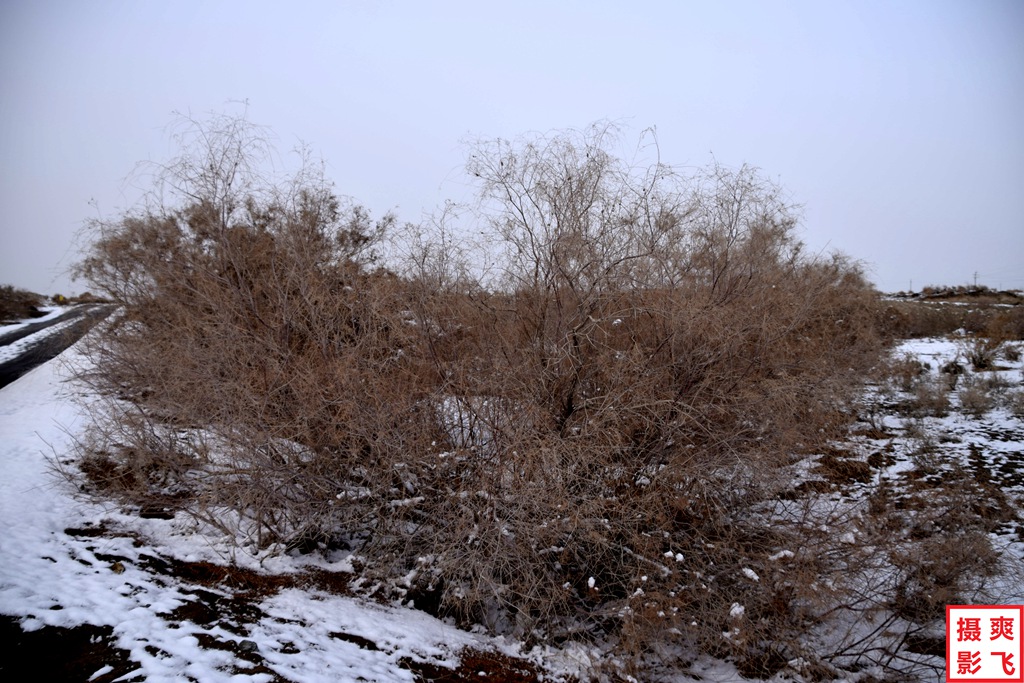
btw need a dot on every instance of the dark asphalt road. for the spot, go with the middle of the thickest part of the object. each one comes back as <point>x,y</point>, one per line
<point>83,318</point>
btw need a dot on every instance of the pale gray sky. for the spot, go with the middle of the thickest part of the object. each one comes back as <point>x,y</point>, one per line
<point>898,125</point>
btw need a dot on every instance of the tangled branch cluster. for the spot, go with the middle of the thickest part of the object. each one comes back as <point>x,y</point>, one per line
<point>578,441</point>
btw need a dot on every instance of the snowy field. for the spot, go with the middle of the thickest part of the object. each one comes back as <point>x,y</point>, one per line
<point>174,611</point>
<point>985,438</point>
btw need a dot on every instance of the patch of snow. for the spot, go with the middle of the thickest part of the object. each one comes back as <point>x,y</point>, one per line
<point>102,671</point>
<point>15,349</point>
<point>51,313</point>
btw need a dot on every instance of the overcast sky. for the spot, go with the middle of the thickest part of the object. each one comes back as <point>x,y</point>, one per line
<point>899,126</point>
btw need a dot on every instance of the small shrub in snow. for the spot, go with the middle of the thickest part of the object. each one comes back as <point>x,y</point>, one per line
<point>930,398</point>
<point>906,372</point>
<point>941,571</point>
<point>994,382</point>
<point>952,371</point>
<point>981,352</point>
<point>1015,402</point>
<point>975,398</point>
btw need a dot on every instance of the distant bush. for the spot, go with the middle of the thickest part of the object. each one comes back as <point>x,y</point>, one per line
<point>18,304</point>
<point>917,319</point>
<point>931,398</point>
<point>906,372</point>
<point>975,398</point>
<point>977,293</point>
<point>1007,323</point>
<point>585,439</point>
<point>88,298</point>
<point>940,311</point>
<point>1015,402</point>
<point>981,352</point>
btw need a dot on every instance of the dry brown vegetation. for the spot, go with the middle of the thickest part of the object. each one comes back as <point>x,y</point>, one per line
<point>915,318</point>
<point>586,440</point>
<point>18,304</point>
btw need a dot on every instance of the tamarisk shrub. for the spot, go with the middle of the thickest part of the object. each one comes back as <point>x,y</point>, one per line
<point>582,440</point>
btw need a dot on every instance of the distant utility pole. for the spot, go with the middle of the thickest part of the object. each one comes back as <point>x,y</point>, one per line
<point>975,279</point>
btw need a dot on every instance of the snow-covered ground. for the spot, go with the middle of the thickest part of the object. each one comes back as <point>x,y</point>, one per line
<point>981,431</point>
<point>15,349</point>
<point>49,313</point>
<point>66,560</point>
<point>987,438</point>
